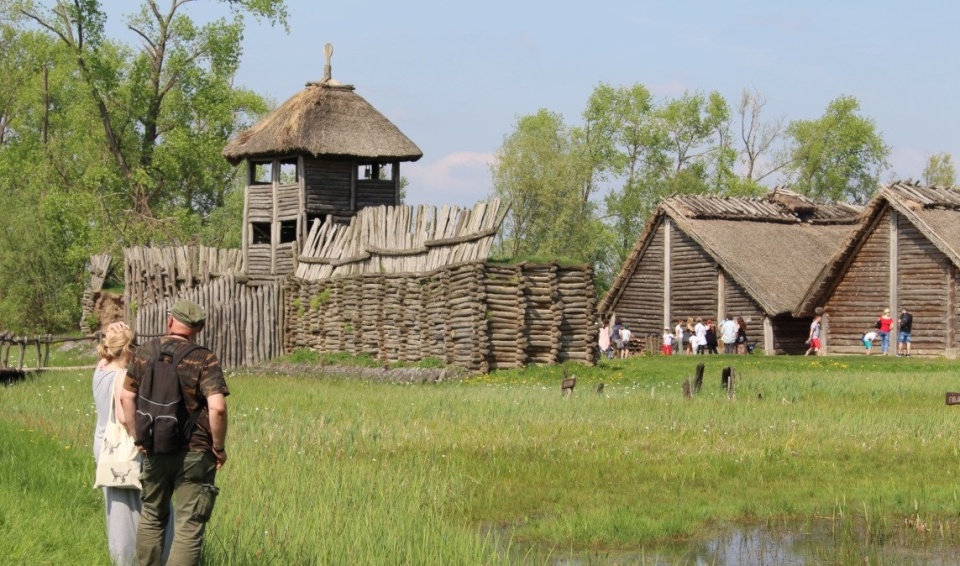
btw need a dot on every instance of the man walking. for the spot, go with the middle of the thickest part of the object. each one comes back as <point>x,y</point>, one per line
<point>905,328</point>
<point>187,475</point>
<point>814,339</point>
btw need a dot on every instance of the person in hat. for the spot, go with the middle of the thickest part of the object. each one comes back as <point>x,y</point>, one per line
<point>884,325</point>
<point>187,475</point>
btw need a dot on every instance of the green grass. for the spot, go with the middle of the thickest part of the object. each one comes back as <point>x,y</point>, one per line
<point>333,471</point>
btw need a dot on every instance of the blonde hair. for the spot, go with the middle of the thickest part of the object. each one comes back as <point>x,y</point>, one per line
<point>116,345</point>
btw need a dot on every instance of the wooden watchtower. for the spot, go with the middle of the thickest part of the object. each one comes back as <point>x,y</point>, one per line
<point>324,153</point>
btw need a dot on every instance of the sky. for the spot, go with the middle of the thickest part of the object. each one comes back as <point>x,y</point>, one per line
<point>455,76</point>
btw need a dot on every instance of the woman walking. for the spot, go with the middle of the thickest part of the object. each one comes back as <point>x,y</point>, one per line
<point>122,504</point>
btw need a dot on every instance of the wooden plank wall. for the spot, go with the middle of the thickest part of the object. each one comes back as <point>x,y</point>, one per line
<point>640,305</point>
<point>374,192</point>
<point>243,322</point>
<point>922,288</point>
<point>693,279</point>
<point>862,293</point>
<point>327,185</point>
<point>475,315</point>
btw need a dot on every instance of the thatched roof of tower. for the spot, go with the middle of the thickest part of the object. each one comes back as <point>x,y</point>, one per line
<point>934,210</point>
<point>772,246</point>
<point>324,119</point>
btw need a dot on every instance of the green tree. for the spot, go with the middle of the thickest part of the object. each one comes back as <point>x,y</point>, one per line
<point>166,109</point>
<point>537,173</point>
<point>940,170</point>
<point>104,144</point>
<point>838,156</point>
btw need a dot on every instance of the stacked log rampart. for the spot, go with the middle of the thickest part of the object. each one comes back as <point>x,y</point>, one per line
<point>475,315</point>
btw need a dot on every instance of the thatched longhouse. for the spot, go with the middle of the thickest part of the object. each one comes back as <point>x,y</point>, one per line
<point>905,252</point>
<point>324,153</point>
<point>703,256</point>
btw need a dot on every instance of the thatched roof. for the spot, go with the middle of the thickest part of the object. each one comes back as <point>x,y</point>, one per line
<point>324,119</point>
<point>934,210</point>
<point>772,246</point>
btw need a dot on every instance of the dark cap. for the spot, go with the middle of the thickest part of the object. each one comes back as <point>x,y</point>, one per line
<point>189,313</point>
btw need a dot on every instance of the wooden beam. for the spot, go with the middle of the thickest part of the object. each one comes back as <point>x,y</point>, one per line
<point>767,336</point>
<point>667,223</point>
<point>951,305</point>
<point>396,182</point>
<point>721,295</point>
<point>894,261</point>
<point>274,218</point>
<point>353,186</point>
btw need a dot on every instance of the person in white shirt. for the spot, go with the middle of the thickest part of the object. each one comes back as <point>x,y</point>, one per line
<point>728,333</point>
<point>700,331</point>
<point>625,336</point>
<point>667,347</point>
<point>867,339</point>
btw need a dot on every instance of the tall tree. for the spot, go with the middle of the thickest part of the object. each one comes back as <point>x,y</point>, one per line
<point>940,170</point>
<point>166,108</point>
<point>838,156</point>
<point>759,138</point>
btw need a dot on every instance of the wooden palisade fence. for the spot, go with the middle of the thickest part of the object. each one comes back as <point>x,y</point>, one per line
<point>243,322</point>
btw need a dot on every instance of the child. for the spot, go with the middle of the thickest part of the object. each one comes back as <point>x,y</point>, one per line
<point>667,348</point>
<point>814,339</point>
<point>868,338</point>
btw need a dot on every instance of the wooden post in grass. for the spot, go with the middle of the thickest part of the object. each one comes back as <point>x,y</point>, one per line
<point>698,381</point>
<point>687,390</point>
<point>953,398</point>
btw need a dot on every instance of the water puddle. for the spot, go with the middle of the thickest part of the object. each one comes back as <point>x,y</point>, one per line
<point>814,542</point>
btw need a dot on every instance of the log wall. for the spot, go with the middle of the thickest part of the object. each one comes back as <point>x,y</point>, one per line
<point>475,315</point>
<point>862,293</point>
<point>640,305</point>
<point>693,279</point>
<point>922,283</point>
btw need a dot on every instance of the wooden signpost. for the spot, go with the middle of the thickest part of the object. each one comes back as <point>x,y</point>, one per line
<point>953,398</point>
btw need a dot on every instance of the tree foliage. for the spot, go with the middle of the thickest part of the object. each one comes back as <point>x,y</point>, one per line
<point>838,156</point>
<point>940,170</point>
<point>105,144</point>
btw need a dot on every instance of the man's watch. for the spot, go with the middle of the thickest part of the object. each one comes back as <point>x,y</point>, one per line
<point>215,449</point>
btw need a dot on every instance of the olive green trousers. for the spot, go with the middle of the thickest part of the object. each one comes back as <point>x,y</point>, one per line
<point>187,478</point>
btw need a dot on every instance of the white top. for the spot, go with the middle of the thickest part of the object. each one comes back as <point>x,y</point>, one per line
<point>728,331</point>
<point>667,339</point>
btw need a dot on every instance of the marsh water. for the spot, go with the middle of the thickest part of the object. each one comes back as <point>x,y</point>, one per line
<point>807,543</point>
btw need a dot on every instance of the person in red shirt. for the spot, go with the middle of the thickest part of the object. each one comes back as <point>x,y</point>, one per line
<point>884,324</point>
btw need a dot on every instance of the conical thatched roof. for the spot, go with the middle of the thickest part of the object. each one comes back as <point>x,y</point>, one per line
<point>934,210</point>
<point>772,246</point>
<point>324,119</point>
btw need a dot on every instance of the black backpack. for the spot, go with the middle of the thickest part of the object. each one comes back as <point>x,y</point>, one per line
<point>162,422</point>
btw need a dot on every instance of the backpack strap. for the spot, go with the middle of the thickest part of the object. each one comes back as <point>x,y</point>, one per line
<point>181,354</point>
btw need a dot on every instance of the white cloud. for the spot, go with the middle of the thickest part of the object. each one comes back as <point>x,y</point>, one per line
<point>461,178</point>
<point>672,87</point>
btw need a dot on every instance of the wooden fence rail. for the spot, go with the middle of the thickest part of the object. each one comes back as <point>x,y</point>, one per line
<point>41,343</point>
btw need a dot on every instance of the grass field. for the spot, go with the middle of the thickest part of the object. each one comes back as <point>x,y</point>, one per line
<point>502,469</point>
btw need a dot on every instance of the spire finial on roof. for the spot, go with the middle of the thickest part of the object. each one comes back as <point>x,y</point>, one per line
<point>327,69</point>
